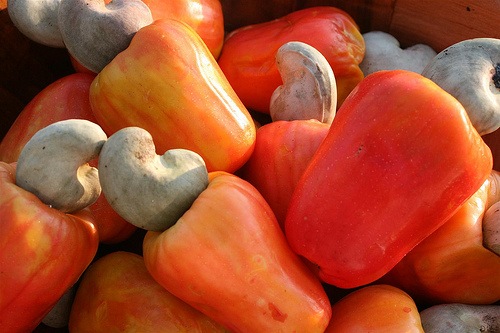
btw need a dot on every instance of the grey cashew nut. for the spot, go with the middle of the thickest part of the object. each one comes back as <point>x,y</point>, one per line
<point>491,228</point>
<point>456,317</point>
<point>95,32</point>
<point>37,20</point>
<point>53,164</point>
<point>470,71</point>
<point>384,52</point>
<point>148,190</point>
<point>309,88</point>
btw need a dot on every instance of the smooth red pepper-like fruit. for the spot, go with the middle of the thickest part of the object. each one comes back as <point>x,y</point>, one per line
<point>399,160</point>
<point>43,252</point>
<point>376,308</point>
<point>248,53</point>
<point>228,257</point>
<point>117,294</point>
<point>169,84</point>
<point>452,265</point>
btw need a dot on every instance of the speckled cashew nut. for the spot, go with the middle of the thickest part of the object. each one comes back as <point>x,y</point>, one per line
<point>53,164</point>
<point>384,52</point>
<point>491,228</point>
<point>37,20</point>
<point>148,190</point>
<point>309,89</point>
<point>470,71</point>
<point>95,32</point>
<point>455,317</point>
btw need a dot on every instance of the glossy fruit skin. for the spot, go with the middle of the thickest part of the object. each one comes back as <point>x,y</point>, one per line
<point>118,294</point>
<point>204,16</point>
<point>65,98</point>
<point>375,308</point>
<point>168,83</point>
<point>399,160</point>
<point>452,265</point>
<point>227,257</point>
<point>283,149</point>
<point>248,54</point>
<point>43,252</point>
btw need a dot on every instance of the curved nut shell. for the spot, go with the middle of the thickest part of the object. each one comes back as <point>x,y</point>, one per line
<point>309,89</point>
<point>470,71</point>
<point>37,20</point>
<point>95,32</point>
<point>53,164</point>
<point>148,190</point>
<point>384,52</point>
<point>491,228</point>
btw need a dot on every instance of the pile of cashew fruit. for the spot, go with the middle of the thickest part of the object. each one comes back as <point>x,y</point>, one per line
<point>293,175</point>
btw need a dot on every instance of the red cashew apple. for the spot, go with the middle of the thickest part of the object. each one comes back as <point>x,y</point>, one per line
<point>399,160</point>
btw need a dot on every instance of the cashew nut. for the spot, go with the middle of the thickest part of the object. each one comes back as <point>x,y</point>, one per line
<point>148,190</point>
<point>53,164</point>
<point>383,52</point>
<point>95,32</point>
<point>456,317</point>
<point>491,228</point>
<point>37,20</point>
<point>309,88</point>
<point>470,71</point>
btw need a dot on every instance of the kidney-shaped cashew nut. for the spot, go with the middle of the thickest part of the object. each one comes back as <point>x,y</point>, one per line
<point>148,190</point>
<point>384,52</point>
<point>53,164</point>
<point>37,20</point>
<point>95,32</point>
<point>470,71</point>
<point>309,89</point>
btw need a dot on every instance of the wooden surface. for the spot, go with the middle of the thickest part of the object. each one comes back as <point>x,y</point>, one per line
<point>437,23</point>
<point>445,22</point>
<point>368,14</point>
